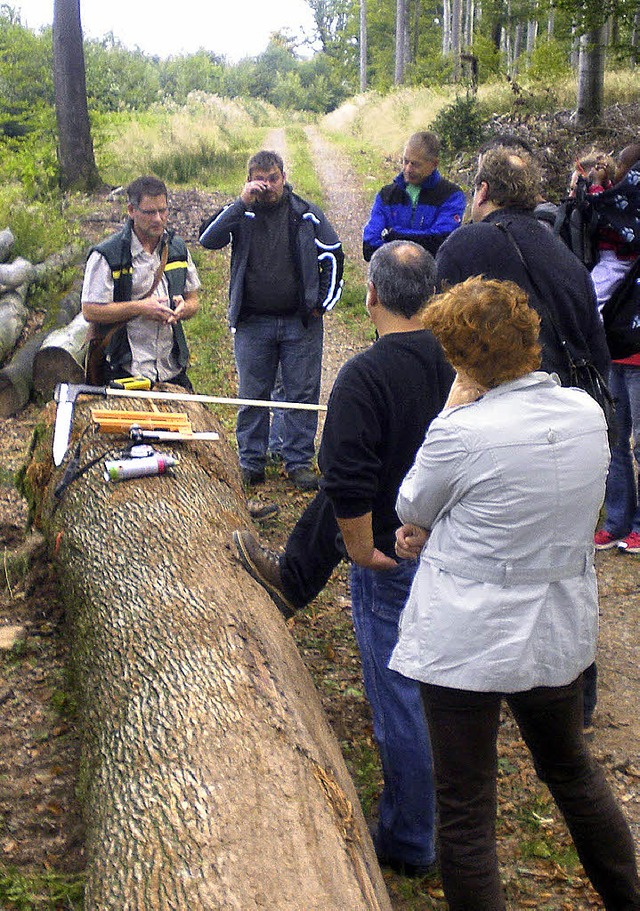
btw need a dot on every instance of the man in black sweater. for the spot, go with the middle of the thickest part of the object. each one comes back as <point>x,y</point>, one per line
<point>380,407</point>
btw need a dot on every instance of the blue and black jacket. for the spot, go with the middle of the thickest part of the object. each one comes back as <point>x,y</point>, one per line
<point>438,212</point>
<point>316,249</point>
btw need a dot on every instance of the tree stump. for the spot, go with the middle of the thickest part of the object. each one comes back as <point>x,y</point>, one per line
<point>211,778</point>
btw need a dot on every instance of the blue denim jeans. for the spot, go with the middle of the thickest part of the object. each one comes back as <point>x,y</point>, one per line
<point>621,499</point>
<point>261,344</point>
<point>407,804</point>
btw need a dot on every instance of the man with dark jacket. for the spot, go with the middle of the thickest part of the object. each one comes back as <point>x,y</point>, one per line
<point>139,285</point>
<point>286,271</point>
<point>507,241</point>
<point>420,205</point>
<point>380,406</point>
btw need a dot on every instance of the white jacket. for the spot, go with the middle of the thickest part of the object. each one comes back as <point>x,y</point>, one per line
<point>505,597</point>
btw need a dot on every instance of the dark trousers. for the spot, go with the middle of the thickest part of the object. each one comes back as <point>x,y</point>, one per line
<point>313,551</point>
<point>464,730</point>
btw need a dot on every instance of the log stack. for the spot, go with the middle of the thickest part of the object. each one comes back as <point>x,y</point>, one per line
<point>211,777</point>
<point>24,369</point>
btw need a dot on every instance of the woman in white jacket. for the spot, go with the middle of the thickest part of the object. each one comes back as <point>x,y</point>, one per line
<point>506,492</point>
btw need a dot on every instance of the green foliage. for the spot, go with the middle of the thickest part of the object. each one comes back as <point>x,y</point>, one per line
<point>548,62</point>
<point>459,125</point>
<point>118,79</point>
<point>40,226</point>
<point>40,891</point>
<point>488,57</point>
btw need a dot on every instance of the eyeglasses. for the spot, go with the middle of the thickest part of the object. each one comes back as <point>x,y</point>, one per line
<point>270,179</point>
<point>153,212</point>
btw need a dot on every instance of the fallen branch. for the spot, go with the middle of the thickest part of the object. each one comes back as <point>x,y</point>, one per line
<point>13,317</point>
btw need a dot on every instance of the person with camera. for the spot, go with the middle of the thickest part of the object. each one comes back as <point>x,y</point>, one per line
<point>286,272</point>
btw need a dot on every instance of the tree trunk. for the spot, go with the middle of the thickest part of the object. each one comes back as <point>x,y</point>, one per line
<point>13,317</point>
<point>456,37</point>
<point>78,169</point>
<point>16,379</point>
<point>401,31</point>
<point>363,45</point>
<point>7,241</point>
<point>19,272</point>
<point>211,777</point>
<point>61,357</point>
<point>57,262</point>
<point>591,77</point>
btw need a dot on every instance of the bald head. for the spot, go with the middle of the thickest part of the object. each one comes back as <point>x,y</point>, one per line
<point>626,159</point>
<point>403,275</point>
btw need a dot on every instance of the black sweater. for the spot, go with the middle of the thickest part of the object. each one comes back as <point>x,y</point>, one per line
<point>557,283</point>
<point>380,407</point>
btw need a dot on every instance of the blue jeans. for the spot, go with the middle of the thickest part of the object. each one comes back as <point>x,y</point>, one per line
<point>407,805</point>
<point>621,498</point>
<point>261,343</point>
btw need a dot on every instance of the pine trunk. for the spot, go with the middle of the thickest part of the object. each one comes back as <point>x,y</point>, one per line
<point>212,779</point>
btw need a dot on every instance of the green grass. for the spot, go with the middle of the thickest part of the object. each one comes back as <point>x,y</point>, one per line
<point>44,891</point>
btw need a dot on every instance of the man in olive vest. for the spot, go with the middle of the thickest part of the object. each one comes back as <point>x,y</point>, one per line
<point>139,285</point>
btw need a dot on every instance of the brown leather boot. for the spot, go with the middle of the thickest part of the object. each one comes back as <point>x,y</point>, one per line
<point>263,565</point>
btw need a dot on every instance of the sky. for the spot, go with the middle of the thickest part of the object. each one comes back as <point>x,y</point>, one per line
<point>230,28</point>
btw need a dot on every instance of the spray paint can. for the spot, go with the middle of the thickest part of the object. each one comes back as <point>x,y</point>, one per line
<point>123,469</point>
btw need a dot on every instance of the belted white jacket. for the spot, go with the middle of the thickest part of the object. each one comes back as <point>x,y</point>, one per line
<point>505,597</point>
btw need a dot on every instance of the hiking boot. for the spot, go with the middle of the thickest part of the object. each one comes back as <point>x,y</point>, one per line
<point>251,477</point>
<point>404,868</point>
<point>630,544</point>
<point>604,540</point>
<point>264,566</point>
<point>304,479</point>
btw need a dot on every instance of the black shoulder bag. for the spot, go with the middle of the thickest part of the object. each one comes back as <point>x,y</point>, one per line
<point>582,372</point>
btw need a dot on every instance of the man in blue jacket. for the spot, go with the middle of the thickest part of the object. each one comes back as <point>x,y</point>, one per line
<point>286,271</point>
<point>420,205</point>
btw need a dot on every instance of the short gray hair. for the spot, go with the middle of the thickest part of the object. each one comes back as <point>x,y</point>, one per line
<point>404,276</point>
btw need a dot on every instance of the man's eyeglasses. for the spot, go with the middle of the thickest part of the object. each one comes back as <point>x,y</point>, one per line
<point>152,212</point>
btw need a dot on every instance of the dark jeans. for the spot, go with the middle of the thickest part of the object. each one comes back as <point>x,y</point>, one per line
<point>313,551</point>
<point>464,730</point>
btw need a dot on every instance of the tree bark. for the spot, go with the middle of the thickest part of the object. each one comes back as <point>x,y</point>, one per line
<point>78,169</point>
<point>591,77</point>
<point>13,317</point>
<point>401,34</point>
<point>19,272</point>
<point>60,358</point>
<point>57,262</point>
<point>211,777</point>
<point>7,241</point>
<point>363,45</point>
<point>16,378</point>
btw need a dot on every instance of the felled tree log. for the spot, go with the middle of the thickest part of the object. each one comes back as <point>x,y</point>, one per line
<point>7,241</point>
<point>60,357</point>
<point>16,377</point>
<point>57,262</point>
<point>19,272</point>
<point>212,779</point>
<point>13,317</point>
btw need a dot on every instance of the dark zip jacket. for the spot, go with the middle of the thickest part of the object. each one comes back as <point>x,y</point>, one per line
<point>317,253</point>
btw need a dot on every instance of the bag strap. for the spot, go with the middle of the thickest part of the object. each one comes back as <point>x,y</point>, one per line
<point>536,287</point>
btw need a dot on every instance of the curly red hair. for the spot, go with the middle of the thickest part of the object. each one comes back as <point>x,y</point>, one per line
<point>487,329</point>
